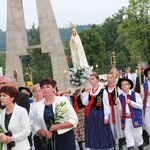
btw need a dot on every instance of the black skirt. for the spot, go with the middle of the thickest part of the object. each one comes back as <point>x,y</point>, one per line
<point>65,141</point>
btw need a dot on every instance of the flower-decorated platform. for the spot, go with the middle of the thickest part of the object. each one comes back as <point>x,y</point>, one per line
<point>79,78</point>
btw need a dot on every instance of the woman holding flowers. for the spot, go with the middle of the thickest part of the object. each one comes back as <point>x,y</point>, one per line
<point>98,134</point>
<point>54,119</point>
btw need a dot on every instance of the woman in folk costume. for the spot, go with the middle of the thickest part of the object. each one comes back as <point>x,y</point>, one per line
<point>146,100</point>
<point>79,107</point>
<point>131,118</point>
<point>77,50</point>
<point>114,121</point>
<point>98,134</point>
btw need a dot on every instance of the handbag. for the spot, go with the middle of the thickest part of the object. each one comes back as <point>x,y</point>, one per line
<point>12,143</point>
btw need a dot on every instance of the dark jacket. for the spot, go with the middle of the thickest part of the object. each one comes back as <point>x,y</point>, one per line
<point>137,85</point>
<point>23,101</point>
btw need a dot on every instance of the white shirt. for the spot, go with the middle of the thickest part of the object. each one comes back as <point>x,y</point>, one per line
<point>138,104</point>
<point>85,100</point>
<point>129,75</point>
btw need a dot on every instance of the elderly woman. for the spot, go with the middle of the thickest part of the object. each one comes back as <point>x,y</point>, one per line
<point>14,121</point>
<point>55,119</point>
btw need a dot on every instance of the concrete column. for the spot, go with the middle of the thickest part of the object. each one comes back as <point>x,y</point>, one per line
<point>16,40</point>
<point>51,42</point>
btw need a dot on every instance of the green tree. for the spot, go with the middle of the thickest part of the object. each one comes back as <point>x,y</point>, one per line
<point>40,62</point>
<point>2,61</point>
<point>3,40</point>
<point>68,53</point>
<point>108,32</point>
<point>94,48</point>
<point>135,29</point>
<point>114,41</point>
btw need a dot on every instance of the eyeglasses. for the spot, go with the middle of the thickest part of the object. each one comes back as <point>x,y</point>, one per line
<point>125,84</point>
<point>4,83</point>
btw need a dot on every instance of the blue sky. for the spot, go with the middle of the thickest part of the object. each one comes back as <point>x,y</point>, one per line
<point>81,12</point>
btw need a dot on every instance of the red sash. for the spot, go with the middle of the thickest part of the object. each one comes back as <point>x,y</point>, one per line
<point>90,104</point>
<point>112,107</point>
<point>76,104</point>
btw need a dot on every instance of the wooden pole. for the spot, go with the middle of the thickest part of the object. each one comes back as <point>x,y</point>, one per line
<point>113,64</point>
<point>16,77</point>
<point>138,59</point>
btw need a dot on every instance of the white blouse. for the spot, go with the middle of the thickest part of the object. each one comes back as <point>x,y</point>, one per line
<point>85,100</point>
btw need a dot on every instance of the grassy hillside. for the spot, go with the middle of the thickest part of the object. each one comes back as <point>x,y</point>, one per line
<point>65,34</point>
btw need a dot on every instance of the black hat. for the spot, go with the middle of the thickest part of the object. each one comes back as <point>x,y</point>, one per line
<point>25,88</point>
<point>119,69</point>
<point>146,71</point>
<point>125,79</point>
<point>127,66</point>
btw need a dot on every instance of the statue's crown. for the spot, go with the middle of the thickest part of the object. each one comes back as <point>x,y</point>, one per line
<point>72,25</point>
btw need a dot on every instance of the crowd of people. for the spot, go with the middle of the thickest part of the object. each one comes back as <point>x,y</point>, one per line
<point>46,123</point>
<point>118,109</point>
<point>48,119</point>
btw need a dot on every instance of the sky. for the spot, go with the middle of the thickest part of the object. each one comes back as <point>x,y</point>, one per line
<point>81,12</point>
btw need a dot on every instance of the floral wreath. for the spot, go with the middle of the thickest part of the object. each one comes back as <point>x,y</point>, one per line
<point>79,75</point>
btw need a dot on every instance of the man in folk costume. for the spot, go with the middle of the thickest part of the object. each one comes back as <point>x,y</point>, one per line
<point>131,118</point>
<point>146,100</point>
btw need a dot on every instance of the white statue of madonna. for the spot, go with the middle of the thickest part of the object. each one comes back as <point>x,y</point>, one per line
<point>77,50</point>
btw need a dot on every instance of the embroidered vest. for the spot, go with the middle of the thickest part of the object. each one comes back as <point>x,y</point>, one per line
<point>136,114</point>
<point>113,96</point>
<point>98,101</point>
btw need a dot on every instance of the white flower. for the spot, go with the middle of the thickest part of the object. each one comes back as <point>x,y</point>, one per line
<point>79,75</point>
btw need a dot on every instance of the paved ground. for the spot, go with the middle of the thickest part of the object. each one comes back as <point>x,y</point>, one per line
<point>124,148</point>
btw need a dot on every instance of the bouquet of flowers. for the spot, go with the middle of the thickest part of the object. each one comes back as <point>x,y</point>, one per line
<point>60,110</point>
<point>79,75</point>
<point>1,144</point>
<point>9,145</point>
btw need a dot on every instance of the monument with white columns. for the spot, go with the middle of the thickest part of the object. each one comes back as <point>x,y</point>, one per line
<point>17,46</point>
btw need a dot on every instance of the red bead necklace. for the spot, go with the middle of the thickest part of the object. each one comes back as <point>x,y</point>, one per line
<point>94,90</point>
<point>111,86</point>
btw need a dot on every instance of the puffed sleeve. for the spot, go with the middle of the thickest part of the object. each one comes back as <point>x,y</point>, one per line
<point>106,105</point>
<point>138,104</point>
<point>85,98</point>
